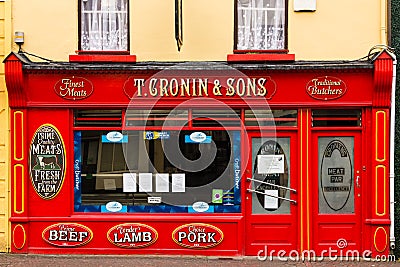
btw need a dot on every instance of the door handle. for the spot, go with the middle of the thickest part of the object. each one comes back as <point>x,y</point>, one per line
<point>358,181</point>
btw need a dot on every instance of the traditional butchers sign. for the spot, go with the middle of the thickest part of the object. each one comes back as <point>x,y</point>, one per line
<point>132,235</point>
<point>73,88</point>
<point>47,161</point>
<point>197,236</point>
<point>200,87</point>
<point>326,88</point>
<point>67,235</point>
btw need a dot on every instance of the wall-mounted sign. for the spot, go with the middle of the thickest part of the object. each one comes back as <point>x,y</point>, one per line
<point>47,161</point>
<point>67,235</point>
<point>200,87</point>
<point>132,235</point>
<point>73,88</point>
<point>326,88</point>
<point>197,236</point>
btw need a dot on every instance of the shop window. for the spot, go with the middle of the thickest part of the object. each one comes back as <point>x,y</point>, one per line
<point>104,25</point>
<point>336,118</point>
<point>261,24</point>
<point>165,170</point>
<point>267,117</point>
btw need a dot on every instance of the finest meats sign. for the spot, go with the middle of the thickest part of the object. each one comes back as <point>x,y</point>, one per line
<point>73,88</point>
<point>47,161</point>
<point>67,235</point>
<point>197,236</point>
<point>132,235</point>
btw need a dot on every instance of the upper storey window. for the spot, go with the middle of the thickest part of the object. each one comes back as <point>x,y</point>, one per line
<point>261,25</point>
<point>104,25</point>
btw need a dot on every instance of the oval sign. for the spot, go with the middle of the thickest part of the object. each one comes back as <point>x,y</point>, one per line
<point>198,137</point>
<point>113,206</point>
<point>47,161</point>
<point>326,88</point>
<point>73,88</point>
<point>197,236</point>
<point>336,175</point>
<point>114,136</point>
<point>67,235</point>
<point>200,206</point>
<point>132,235</point>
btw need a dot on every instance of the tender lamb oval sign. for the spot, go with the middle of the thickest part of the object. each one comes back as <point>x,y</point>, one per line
<point>197,236</point>
<point>73,88</point>
<point>67,235</point>
<point>47,161</point>
<point>132,235</point>
<point>326,88</point>
<point>336,175</point>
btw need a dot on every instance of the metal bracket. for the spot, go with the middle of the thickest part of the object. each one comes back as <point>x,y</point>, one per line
<point>262,193</point>
<point>278,186</point>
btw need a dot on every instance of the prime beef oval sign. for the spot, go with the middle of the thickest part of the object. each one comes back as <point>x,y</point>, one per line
<point>47,161</point>
<point>67,235</point>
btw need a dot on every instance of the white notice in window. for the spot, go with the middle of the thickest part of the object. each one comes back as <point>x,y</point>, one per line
<point>145,182</point>
<point>178,182</point>
<point>267,164</point>
<point>129,182</point>
<point>109,184</point>
<point>162,182</point>
<point>271,200</point>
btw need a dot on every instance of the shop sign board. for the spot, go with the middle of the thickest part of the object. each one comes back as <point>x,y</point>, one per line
<point>197,236</point>
<point>47,161</point>
<point>132,235</point>
<point>67,235</point>
<point>73,88</point>
<point>326,88</point>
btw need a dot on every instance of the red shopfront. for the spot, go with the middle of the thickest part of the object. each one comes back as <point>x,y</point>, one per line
<point>202,158</point>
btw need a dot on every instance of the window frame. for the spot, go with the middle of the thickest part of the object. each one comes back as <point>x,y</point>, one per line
<point>268,51</point>
<point>102,52</point>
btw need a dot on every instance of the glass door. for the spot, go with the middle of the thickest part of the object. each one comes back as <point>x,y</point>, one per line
<point>337,192</point>
<point>271,194</point>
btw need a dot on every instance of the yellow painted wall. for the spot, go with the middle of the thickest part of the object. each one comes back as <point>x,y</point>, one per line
<point>339,29</point>
<point>5,37</point>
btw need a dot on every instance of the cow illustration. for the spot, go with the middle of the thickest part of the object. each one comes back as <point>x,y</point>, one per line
<point>50,161</point>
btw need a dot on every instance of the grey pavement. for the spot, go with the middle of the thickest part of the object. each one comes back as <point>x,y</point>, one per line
<point>32,260</point>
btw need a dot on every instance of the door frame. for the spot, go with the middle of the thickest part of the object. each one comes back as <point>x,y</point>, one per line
<point>342,244</point>
<point>265,219</point>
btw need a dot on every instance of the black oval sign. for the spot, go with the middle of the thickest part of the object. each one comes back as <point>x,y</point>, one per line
<point>336,175</point>
<point>47,161</point>
<point>279,178</point>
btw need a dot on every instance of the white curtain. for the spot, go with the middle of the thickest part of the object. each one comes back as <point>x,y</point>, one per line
<point>104,25</point>
<point>261,24</point>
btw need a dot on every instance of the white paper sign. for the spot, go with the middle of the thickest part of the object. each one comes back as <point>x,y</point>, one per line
<point>268,164</point>
<point>145,182</point>
<point>162,182</point>
<point>178,182</point>
<point>129,182</point>
<point>271,202</point>
<point>109,184</point>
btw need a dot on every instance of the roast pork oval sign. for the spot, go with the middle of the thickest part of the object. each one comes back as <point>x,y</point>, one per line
<point>326,88</point>
<point>67,235</point>
<point>47,161</point>
<point>73,88</point>
<point>197,236</point>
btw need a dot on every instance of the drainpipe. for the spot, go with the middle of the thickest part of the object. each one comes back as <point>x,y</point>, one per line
<point>392,148</point>
<point>383,25</point>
